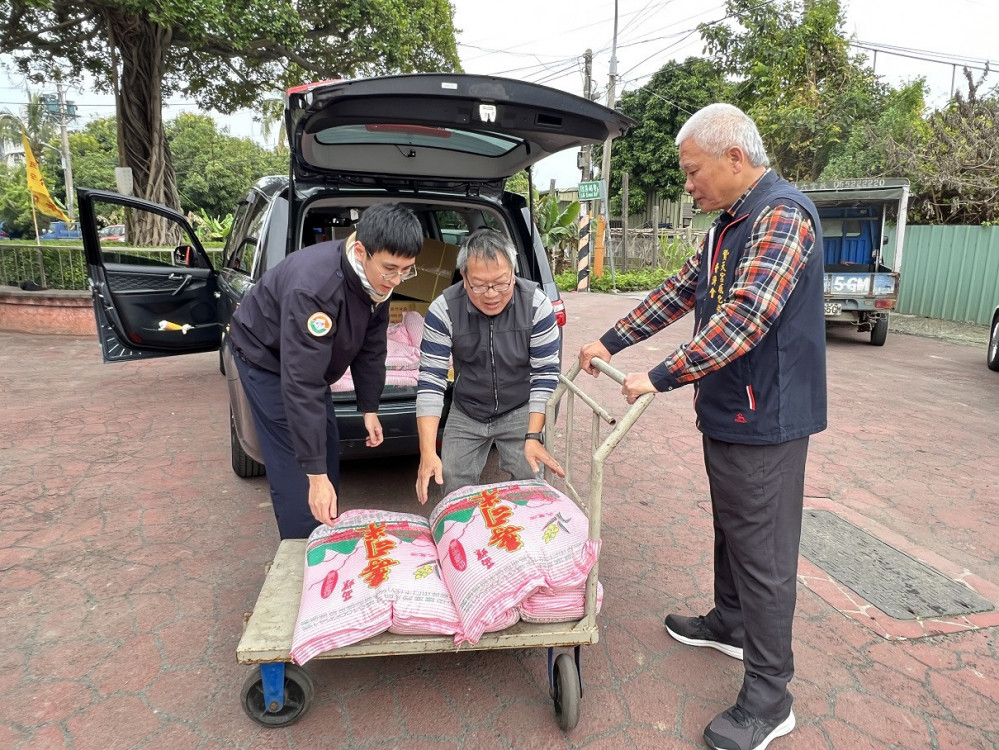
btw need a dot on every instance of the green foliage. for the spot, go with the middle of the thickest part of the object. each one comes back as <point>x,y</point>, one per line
<point>674,252</point>
<point>648,152</point>
<point>223,55</point>
<point>94,153</point>
<point>229,55</point>
<point>558,229</point>
<point>15,201</point>
<point>632,281</point>
<point>211,228</point>
<point>519,183</point>
<point>214,169</point>
<point>797,79</point>
<point>873,147</point>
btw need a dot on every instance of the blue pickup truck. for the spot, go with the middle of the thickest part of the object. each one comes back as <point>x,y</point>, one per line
<point>62,230</point>
<point>861,284</point>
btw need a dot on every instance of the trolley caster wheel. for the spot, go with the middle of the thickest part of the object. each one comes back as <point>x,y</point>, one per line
<point>298,693</point>
<point>567,692</point>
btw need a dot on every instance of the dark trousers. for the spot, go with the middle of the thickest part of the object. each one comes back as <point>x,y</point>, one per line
<point>757,494</point>
<point>288,481</point>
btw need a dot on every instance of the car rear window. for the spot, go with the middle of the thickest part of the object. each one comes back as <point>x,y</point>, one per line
<point>483,144</point>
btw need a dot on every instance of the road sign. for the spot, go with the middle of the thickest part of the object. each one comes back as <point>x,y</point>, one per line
<point>589,191</point>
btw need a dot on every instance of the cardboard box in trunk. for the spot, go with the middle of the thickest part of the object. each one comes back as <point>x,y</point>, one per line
<point>398,307</point>
<point>435,267</point>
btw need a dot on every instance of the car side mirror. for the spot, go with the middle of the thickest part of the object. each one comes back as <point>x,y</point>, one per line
<point>187,256</point>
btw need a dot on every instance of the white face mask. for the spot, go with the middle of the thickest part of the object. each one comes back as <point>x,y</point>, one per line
<point>358,266</point>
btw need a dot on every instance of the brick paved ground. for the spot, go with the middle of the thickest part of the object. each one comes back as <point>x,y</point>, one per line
<point>129,553</point>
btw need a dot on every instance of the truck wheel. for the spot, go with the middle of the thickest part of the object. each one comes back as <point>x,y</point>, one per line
<point>879,332</point>
<point>242,465</point>
<point>993,356</point>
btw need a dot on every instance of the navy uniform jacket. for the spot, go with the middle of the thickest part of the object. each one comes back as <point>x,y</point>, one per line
<point>307,320</point>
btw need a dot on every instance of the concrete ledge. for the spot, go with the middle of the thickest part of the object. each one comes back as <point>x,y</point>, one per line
<point>67,312</point>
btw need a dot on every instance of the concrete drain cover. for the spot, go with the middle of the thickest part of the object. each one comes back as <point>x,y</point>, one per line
<point>895,583</point>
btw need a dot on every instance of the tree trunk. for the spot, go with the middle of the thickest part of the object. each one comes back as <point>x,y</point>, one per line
<point>140,47</point>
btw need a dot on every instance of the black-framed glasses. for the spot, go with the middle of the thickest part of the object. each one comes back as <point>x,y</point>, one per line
<point>498,288</point>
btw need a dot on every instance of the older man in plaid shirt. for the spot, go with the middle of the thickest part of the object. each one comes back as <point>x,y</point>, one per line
<point>757,364</point>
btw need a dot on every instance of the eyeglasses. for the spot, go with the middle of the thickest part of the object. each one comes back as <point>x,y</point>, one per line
<point>402,275</point>
<point>498,288</point>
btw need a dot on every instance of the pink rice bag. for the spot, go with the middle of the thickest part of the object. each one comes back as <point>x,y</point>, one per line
<point>500,543</point>
<point>546,605</point>
<point>370,572</point>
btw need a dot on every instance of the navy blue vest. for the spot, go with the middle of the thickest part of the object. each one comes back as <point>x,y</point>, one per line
<point>776,391</point>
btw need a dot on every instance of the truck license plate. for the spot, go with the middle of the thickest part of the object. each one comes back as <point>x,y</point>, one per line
<point>833,308</point>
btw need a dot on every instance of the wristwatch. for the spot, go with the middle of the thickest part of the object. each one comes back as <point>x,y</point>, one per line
<point>535,436</point>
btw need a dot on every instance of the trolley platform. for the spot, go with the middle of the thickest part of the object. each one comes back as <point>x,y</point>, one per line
<point>280,692</point>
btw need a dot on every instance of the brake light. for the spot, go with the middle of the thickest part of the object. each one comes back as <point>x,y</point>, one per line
<point>883,304</point>
<point>559,307</point>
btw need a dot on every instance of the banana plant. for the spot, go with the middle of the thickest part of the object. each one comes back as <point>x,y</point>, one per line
<point>558,229</point>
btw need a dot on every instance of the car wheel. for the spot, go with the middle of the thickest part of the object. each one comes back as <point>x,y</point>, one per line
<point>242,464</point>
<point>993,357</point>
<point>879,332</point>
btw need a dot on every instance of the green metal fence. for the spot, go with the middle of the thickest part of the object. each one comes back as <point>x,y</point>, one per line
<point>950,273</point>
<point>61,266</point>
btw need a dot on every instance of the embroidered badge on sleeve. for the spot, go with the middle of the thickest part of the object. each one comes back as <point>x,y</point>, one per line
<point>320,324</point>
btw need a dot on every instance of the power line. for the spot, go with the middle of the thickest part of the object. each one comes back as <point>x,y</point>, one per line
<point>941,58</point>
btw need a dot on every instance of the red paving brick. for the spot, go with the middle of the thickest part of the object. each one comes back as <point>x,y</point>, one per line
<point>129,553</point>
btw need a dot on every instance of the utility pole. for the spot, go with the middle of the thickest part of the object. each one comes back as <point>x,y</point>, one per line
<point>66,165</point>
<point>587,161</point>
<point>605,169</point>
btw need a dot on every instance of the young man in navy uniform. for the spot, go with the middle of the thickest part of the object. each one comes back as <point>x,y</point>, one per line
<point>757,363</point>
<point>322,309</point>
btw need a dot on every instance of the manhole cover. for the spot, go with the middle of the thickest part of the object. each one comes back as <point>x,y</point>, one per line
<point>895,583</point>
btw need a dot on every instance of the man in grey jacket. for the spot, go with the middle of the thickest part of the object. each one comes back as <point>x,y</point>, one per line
<point>500,333</point>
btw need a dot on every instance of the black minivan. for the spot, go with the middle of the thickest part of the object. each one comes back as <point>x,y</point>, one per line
<point>441,144</point>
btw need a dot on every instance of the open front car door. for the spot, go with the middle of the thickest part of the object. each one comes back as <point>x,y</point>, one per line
<point>155,295</point>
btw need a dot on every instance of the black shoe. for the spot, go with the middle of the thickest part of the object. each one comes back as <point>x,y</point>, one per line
<point>694,631</point>
<point>737,729</point>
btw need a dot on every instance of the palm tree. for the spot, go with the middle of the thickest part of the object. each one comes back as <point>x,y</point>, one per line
<point>35,120</point>
<point>271,115</point>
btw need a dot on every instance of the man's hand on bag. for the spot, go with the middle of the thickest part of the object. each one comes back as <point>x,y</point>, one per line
<point>322,498</point>
<point>536,454</point>
<point>374,428</point>
<point>636,384</point>
<point>430,466</point>
<point>588,352</point>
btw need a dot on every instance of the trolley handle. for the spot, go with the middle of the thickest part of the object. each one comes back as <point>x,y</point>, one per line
<point>608,369</point>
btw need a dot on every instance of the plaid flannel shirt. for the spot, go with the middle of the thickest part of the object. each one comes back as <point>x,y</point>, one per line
<point>782,240</point>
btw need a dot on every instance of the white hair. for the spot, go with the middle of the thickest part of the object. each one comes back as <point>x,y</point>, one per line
<point>721,126</point>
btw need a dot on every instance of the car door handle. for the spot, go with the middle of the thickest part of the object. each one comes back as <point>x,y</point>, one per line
<point>183,279</point>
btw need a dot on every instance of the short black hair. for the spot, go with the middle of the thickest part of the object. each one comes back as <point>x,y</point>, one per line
<point>391,227</point>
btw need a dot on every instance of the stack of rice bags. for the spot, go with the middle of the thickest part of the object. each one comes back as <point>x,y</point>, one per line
<point>490,556</point>
<point>512,550</point>
<point>370,572</point>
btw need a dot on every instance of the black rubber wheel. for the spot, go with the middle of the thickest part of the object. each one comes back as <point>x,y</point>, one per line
<point>993,355</point>
<point>879,332</point>
<point>298,693</point>
<point>242,465</point>
<point>567,692</point>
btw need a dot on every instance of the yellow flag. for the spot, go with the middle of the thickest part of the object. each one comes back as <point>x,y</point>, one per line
<point>36,185</point>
